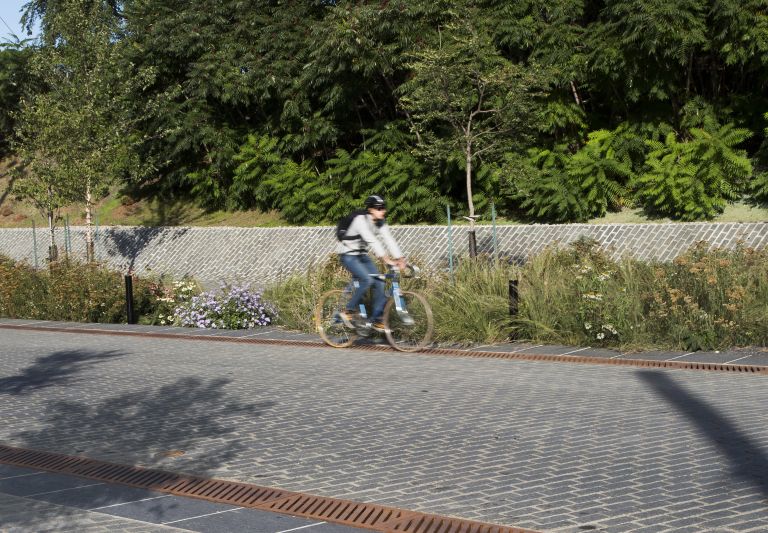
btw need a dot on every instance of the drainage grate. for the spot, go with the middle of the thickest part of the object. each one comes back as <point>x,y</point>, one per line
<point>553,358</point>
<point>361,515</point>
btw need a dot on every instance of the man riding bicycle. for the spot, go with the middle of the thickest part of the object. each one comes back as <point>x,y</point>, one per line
<point>367,228</point>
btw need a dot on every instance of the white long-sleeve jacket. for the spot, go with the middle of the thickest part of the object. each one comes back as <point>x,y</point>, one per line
<point>369,235</point>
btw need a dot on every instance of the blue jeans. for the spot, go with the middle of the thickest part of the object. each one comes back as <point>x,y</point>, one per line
<point>361,266</point>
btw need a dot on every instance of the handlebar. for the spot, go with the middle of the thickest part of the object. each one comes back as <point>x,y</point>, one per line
<point>411,271</point>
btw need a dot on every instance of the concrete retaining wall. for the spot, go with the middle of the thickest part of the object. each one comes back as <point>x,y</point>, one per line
<point>263,255</point>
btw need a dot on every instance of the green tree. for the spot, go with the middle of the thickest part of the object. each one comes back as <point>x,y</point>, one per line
<point>73,133</point>
<point>468,102</point>
<point>14,82</point>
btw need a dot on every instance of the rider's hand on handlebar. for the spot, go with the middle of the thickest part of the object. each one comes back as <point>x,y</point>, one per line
<point>399,263</point>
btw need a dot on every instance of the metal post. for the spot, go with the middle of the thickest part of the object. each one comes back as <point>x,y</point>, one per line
<point>513,297</point>
<point>129,299</point>
<point>34,241</point>
<point>450,241</point>
<point>495,242</point>
<point>67,249</point>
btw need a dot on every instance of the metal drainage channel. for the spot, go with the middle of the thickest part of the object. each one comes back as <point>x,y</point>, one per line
<point>361,515</point>
<point>554,358</point>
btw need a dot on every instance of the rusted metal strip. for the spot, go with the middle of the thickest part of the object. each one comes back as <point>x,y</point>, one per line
<point>551,358</point>
<point>355,514</point>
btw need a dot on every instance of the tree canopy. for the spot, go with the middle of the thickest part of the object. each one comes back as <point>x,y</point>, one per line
<point>557,110</point>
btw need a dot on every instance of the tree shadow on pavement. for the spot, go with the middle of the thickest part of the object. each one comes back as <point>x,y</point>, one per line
<point>748,460</point>
<point>56,369</point>
<point>188,426</point>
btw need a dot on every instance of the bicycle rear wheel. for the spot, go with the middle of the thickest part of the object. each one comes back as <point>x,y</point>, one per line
<point>413,333</point>
<point>328,323</point>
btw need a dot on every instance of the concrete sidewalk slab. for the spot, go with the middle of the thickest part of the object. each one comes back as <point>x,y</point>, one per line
<point>105,506</point>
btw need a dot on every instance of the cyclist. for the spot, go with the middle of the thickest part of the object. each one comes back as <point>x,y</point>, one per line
<point>364,229</point>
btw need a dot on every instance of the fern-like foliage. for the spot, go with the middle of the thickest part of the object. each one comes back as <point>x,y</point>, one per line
<point>410,189</point>
<point>758,187</point>
<point>694,179</point>
<point>552,195</point>
<point>265,179</point>
<point>561,117</point>
<point>601,172</point>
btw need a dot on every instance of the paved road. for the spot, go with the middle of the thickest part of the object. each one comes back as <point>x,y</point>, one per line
<point>548,446</point>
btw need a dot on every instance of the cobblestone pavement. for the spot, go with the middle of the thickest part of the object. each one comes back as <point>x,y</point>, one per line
<point>548,446</point>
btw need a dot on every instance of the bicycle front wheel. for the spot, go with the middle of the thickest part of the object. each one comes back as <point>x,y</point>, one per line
<point>411,331</point>
<point>328,323</point>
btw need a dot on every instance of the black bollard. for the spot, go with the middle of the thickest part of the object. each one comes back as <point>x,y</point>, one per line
<point>513,297</point>
<point>129,298</point>
<point>472,244</point>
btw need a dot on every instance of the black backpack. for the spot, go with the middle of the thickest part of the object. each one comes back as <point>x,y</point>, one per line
<point>343,225</point>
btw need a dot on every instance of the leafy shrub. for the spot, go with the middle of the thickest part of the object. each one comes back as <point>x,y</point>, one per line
<point>601,171</point>
<point>22,291</point>
<point>574,187</point>
<point>68,291</point>
<point>693,179</point>
<point>704,299</point>
<point>411,191</point>
<point>549,194</point>
<point>266,178</point>
<point>759,187</point>
<point>230,307</point>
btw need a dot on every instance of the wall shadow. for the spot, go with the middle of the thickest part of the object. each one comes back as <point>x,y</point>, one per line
<point>129,243</point>
<point>57,369</point>
<point>187,426</point>
<point>748,461</point>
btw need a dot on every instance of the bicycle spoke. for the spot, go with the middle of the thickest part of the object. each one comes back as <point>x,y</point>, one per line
<point>411,330</point>
<point>328,323</point>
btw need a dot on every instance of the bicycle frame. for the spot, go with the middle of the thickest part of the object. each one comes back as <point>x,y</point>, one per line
<point>391,290</point>
<point>404,332</point>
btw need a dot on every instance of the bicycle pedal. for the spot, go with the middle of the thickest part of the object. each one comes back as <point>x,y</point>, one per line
<point>406,319</point>
<point>364,329</point>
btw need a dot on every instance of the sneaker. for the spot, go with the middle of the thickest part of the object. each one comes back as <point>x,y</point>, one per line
<point>379,326</point>
<point>348,318</point>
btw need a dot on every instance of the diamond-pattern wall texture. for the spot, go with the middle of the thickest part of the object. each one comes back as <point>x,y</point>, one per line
<point>263,255</point>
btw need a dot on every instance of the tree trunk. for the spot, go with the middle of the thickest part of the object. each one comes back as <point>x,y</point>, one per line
<point>53,251</point>
<point>89,249</point>
<point>471,205</point>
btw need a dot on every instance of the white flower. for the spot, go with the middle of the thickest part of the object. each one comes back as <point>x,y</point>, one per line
<point>587,325</point>
<point>596,296</point>
<point>600,336</point>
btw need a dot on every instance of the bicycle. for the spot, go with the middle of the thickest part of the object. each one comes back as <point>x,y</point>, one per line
<point>408,320</point>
